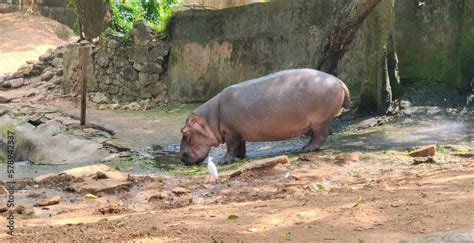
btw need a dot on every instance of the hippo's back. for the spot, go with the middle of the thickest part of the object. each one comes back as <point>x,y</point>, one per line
<point>298,96</point>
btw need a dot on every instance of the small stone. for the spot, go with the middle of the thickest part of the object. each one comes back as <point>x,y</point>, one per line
<point>425,151</point>
<point>58,80</point>
<point>134,106</point>
<point>53,201</point>
<point>45,57</point>
<point>180,190</point>
<point>102,107</point>
<point>6,84</point>
<point>145,79</point>
<point>348,157</point>
<point>31,94</point>
<point>141,33</point>
<point>46,76</point>
<point>150,67</point>
<point>113,90</point>
<point>84,42</point>
<point>57,62</point>
<point>16,75</point>
<point>32,62</point>
<point>17,83</point>
<point>100,98</point>
<point>4,100</point>
<point>114,106</point>
<point>113,44</point>
<point>60,72</point>
<point>423,160</point>
<point>103,61</point>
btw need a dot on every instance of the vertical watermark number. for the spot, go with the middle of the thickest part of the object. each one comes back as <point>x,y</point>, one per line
<point>10,183</point>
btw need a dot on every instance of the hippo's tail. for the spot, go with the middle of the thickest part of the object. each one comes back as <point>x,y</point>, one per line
<point>347,97</point>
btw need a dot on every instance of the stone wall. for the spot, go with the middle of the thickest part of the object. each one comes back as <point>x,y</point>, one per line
<point>121,71</point>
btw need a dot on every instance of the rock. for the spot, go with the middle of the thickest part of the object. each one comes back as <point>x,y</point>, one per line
<point>150,91</point>
<point>37,69</point>
<point>259,165</point>
<point>109,185</point>
<point>6,84</point>
<point>450,236</point>
<point>46,76</point>
<point>4,100</point>
<point>57,62</point>
<point>25,68</point>
<point>134,106</point>
<point>150,67</point>
<point>141,33</point>
<point>348,157</point>
<point>53,201</point>
<point>90,196</point>
<point>101,98</point>
<point>424,160</point>
<point>30,94</point>
<point>103,61</point>
<point>428,150</point>
<point>85,42</point>
<point>180,190</point>
<point>60,72</point>
<point>114,106</point>
<point>103,107</point>
<point>113,90</point>
<point>57,80</point>
<point>137,54</point>
<point>17,83</point>
<point>45,57</point>
<point>31,62</point>
<point>113,44</point>
<point>16,75</point>
<point>145,79</point>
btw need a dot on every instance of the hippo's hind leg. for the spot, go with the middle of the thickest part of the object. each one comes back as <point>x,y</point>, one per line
<point>318,136</point>
<point>241,152</point>
<point>234,149</point>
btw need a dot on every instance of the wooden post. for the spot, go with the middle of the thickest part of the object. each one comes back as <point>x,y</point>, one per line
<point>84,57</point>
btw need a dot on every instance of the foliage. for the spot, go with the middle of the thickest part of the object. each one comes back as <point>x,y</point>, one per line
<point>155,12</point>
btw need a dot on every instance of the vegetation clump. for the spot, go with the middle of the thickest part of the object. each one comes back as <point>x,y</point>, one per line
<point>155,12</point>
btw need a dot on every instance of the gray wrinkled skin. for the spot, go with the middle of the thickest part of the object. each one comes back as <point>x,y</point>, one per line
<point>275,107</point>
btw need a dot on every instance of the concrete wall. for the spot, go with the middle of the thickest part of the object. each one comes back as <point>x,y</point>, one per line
<point>219,4</point>
<point>214,49</point>
<point>429,37</point>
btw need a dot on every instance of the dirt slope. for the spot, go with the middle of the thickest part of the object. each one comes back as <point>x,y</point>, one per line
<point>25,37</point>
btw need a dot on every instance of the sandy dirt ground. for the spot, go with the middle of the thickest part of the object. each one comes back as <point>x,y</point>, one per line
<point>25,37</point>
<point>379,198</point>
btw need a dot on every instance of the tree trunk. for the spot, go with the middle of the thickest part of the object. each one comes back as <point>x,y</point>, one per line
<point>351,15</point>
<point>94,17</point>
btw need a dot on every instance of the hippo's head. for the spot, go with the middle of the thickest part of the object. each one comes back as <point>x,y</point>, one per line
<point>196,142</point>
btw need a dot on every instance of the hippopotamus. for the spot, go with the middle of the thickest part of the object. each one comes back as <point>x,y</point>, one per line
<point>275,107</point>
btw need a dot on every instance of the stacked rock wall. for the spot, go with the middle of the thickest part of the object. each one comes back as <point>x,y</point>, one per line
<point>126,73</point>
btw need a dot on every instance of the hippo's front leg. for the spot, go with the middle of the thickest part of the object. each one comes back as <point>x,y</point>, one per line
<point>235,148</point>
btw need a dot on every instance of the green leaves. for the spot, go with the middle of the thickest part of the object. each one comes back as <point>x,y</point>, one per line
<point>155,12</point>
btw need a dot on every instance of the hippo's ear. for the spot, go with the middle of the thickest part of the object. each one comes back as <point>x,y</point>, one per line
<point>194,119</point>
